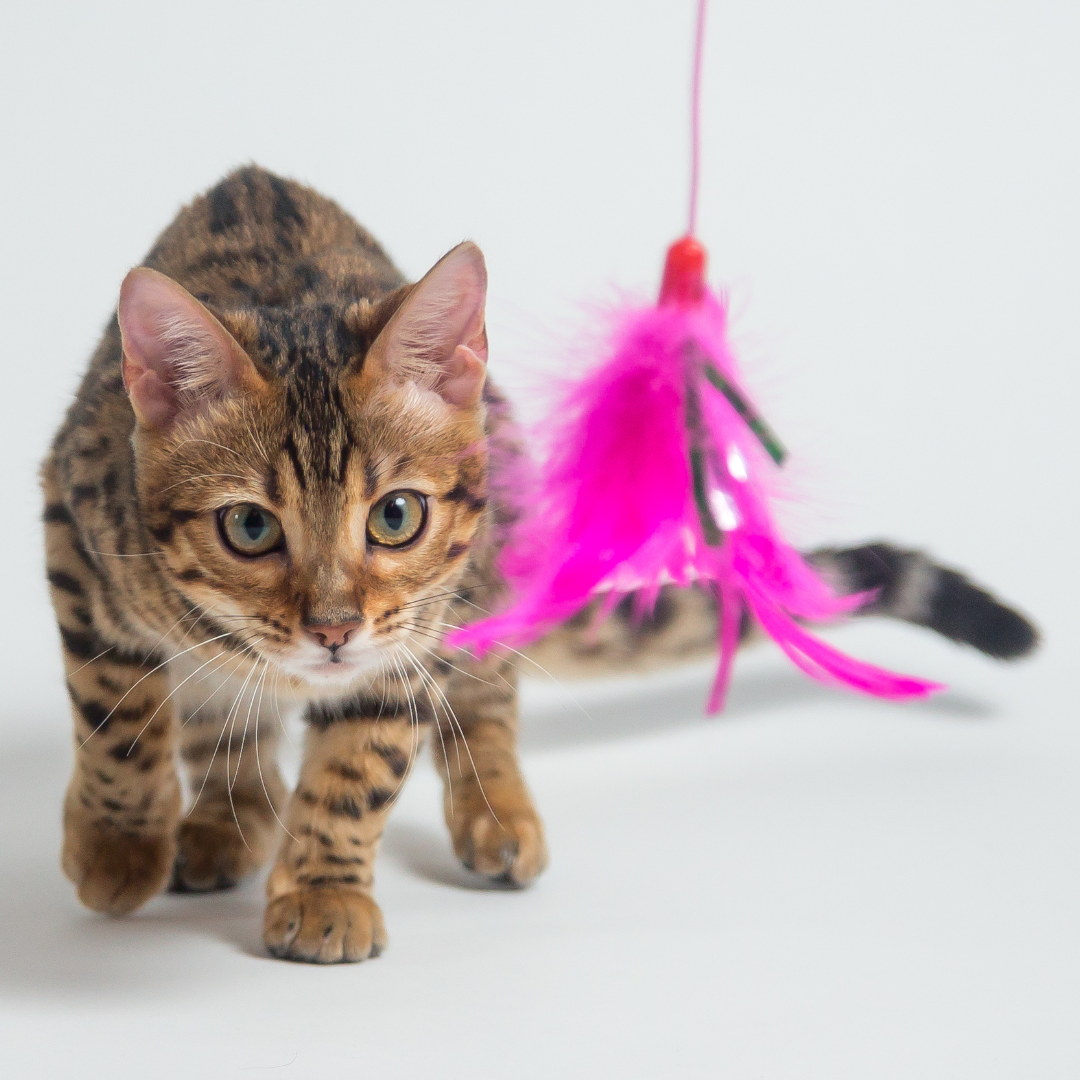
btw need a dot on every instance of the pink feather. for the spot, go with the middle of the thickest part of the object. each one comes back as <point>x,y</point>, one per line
<point>616,511</point>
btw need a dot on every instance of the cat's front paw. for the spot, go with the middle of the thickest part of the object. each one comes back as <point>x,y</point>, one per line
<point>324,926</point>
<point>115,872</point>
<point>214,855</point>
<point>511,849</point>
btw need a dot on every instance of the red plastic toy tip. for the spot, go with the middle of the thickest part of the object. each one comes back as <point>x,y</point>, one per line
<point>684,273</point>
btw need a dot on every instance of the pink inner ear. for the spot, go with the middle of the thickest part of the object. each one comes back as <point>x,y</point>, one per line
<point>153,399</point>
<point>463,378</point>
<point>176,353</point>
<point>437,337</point>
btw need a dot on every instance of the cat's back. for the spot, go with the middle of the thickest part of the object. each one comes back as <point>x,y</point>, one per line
<point>253,241</point>
<point>259,240</point>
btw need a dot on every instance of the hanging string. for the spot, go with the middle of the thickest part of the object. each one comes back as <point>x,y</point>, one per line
<point>695,115</point>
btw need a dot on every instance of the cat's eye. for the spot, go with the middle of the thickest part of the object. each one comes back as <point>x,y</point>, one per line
<point>396,518</point>
<point>250,530</point>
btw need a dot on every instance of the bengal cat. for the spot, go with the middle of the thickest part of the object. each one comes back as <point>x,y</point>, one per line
<point>284,475</point>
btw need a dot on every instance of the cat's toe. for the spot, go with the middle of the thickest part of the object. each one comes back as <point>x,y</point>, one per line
<point>115,872</point>
<point>324,926</point>
<point>511,849</point>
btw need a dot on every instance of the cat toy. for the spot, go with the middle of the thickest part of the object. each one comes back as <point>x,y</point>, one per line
<point>654,473</point>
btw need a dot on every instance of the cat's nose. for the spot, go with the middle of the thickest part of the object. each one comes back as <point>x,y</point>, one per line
<point>333,637</point>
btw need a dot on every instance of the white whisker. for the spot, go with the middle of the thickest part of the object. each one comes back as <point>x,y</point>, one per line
<point>165,700</point>
<point>123,554</point>
<point>213,693</point>
<point>207,476</point>
<point>454,720</point>
<point>235,712</point>
<point>258,764</point>
<point>142,679</point>
<point>217,746</point>
<point>210,442</point>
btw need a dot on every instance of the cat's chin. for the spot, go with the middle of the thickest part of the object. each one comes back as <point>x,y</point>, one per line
<point>327,674</point>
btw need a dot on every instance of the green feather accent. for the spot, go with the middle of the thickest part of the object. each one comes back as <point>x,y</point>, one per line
<point>712,532</point>
<point>714,537</point>
<point>753,420</point>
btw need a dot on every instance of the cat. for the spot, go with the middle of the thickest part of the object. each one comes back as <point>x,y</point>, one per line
<point>284,476</point>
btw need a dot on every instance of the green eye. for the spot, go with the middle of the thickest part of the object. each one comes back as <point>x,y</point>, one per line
<point>250,530</point>
<point>396,518</point>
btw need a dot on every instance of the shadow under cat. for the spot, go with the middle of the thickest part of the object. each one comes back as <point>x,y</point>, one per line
<point>580,714</point>
<point>50,946</point>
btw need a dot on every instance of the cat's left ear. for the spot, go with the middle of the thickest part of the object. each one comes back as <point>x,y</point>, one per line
<point>177,356</point>
<point>436,338</point>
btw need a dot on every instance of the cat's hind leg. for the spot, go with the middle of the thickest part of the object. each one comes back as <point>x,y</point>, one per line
<point>228,743</point>
<point>493,823</point>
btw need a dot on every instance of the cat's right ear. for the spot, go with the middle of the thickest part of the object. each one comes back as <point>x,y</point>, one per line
<point>177,355</point>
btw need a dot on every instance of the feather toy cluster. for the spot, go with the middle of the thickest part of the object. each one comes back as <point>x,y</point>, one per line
<point>652,476</point>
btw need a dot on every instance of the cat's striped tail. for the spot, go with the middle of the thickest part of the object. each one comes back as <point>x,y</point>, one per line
<point>911,587</point>
<point>905,585</point>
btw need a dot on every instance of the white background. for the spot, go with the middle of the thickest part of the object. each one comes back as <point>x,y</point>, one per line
<point>812,885</point>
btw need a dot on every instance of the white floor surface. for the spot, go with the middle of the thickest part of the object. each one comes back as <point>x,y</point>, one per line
<point>810,886</point>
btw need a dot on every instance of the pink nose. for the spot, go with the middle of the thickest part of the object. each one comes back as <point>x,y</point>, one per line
<point>332,636</point>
